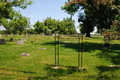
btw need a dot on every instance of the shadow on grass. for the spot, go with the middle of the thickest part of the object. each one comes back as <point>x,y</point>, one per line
<point>87,47</point>
<point>111,54</point>
<point>26,72</point>
<point>50,72</point>
<point>18,71</point>
<point>107,73</point>
<point>57,73</point>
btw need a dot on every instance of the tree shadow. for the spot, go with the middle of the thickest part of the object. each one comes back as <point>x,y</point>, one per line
<point>55,74</point>
<point>112,54</point>
<point>62,71</point>
<point>87,47</point>
<point>19,71</point>
<point>107,73</point>
<point>26,72</point>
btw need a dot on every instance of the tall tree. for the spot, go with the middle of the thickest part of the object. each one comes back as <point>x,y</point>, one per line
<point>20,23</point>
<point>103,12</point>
<point>67,26</point>
<point>7,25</point>
<point>6,7</point>
<point>86,26</point>
<point>38,27</point>
<point>51,24</point>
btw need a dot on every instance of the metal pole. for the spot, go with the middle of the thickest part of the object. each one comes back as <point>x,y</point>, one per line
<point>81,49</point>
<point>58,50</point>
<point>55,49</point>
<point>78,50</point>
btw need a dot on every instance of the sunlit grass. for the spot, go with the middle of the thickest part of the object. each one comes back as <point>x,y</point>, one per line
<point>39,65</point>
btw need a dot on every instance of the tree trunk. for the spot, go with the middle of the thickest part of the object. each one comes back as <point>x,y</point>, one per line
<point>88,34</point>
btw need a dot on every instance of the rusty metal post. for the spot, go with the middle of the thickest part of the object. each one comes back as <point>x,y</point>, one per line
<point>55,49</point>
<point>81,49</point>
<point>78,50</point>
<point>58,50</point>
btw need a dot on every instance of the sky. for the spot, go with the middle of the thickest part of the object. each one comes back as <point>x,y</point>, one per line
<point>41,9</point>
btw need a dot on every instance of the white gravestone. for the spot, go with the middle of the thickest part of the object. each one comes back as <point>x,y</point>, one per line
<point>20,42</point>
<point>23,39</point>
<point>24,54</point>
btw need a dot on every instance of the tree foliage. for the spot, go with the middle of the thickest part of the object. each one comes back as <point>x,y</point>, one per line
<point>102,12</point>
<point>50,26</point>
<point>38,27</point>
<point>66,26</point>
<point>18,23</point>
<point>6,7</point>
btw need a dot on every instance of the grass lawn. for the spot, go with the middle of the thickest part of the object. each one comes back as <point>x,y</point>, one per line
<point>39,65</point>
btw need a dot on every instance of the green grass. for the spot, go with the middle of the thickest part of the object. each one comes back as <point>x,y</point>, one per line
<point>39,65</point>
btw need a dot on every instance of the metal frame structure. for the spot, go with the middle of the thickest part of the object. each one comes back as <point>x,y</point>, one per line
<point>80,50</point>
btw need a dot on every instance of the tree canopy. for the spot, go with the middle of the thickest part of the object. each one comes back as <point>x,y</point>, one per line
<point>6,7</point>
<point>18,23</point>
<point>38,26</point>
<point>102,12</point>
<point>66,26</point>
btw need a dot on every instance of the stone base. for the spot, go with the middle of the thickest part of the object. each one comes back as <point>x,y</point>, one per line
<point>56,67</point>
<point>114,65</point>
<point>80,68</point>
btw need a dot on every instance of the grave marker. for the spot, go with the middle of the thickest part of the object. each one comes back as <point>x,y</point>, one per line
<point>25,33</point>
<point>23,39</point>
<point>0,36</point>
<point>35,39</point>
<point>29,35</point>
<point>24,54</point>
<point>6,35</point>
<point>20,42</point>
<point>3,41</point>
<point>11,39</point>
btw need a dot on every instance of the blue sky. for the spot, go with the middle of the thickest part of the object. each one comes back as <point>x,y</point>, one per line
<point>41,9</point>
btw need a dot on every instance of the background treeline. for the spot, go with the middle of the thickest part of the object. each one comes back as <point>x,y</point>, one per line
<point>19,24</point>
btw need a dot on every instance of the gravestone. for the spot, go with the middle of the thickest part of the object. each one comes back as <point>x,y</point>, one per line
<point>12,39</point>
<point>25,54</point>
<point>20,42</point>
<point>32,47</point>
<point>2,41</point>
<point>6,35</point>
<point>35,39</point>
<point>25,33</point>
<point>12,34</point>
<point>23,39</point>
<point>0,36</point>
<point>29,35</point>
